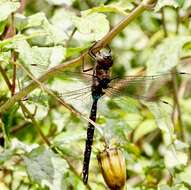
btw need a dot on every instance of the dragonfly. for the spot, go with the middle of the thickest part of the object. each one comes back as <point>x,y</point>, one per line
<point>103,83</point>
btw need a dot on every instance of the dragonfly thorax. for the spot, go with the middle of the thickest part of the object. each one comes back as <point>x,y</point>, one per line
<point>97,92</point>
<point>104,83</point>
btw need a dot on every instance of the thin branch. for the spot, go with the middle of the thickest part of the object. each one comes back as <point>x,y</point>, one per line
<point>14,73</point>
<point>177,20</point>
<point>25,109</point>
<point>3,73</point>
<point>39,130</point>
<point>17,128</point>
<point>60,100</point>
<point>177,105</point>
<point>36,125</point>
<point>164,23</point>
<point>22,6</point>
<point>177,108</point>
<point>70,37</point>
<point>100,44</point>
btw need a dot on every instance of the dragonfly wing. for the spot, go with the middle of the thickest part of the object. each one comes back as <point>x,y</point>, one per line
<point>69,74</point>
<point>137,85</point>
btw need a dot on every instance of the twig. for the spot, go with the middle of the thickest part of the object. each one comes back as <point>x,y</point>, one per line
<point>58,151</point>
<point>25,109</point>
<point>39,130</point>
<point>5,77</point>
<point>177,20</point>
<point>177,105</point>
<point>50,92</point>
<point>22,6</point>
<point>17,128</point>
<point>100,44</point>
<point>14,73</point>
<point>70,36</point>
<point>164,23</point>
<point>36,125</point>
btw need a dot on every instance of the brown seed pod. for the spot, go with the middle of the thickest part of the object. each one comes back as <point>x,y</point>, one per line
<point>113,168</point>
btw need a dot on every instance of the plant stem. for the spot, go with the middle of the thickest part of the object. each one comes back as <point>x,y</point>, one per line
<point>164,23</point>
<point>177,20</point>
<point>36,125</point>
<point>60,100</point>
<point>179,127</point>
<point>38,128</point>
<point>102,43</point>
<point>5,78</point>
<point>25,109</point>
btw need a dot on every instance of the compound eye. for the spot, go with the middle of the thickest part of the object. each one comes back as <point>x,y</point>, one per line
<point>106,57</point>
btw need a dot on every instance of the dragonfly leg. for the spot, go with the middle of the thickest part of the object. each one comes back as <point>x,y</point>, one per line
<point>91,50</point>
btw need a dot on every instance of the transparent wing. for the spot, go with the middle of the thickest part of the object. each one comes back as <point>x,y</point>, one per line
<point>68,74</point>
<point>141,86</point>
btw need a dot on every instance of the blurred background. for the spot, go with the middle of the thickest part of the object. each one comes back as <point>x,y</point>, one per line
<point>153,135</point>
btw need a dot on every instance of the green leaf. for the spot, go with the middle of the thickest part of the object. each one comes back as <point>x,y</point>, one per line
<point>180,2</point>
<point>34,20</point>
<point>73,51</point>
<point>180,187</point>
<point>163,187</point>
<point>161,113</point>
<point>39,22</point>
<point>119,7</point>
<point>60,2</point>
<point>94,26</point>
<point>6,155</point>
<point>144,128</point>
<point>7,8</point>
<point>5,133</point>
<point>184,176</point>
<point>175,158</point>
<point>41,57</point>
<point>46,168</point>
<point>162,3</point>
<point>166,55</point>
<point>2,27</point>
<point>18,145</point>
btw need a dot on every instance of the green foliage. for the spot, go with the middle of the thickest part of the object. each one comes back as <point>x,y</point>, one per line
<point>42,142</point>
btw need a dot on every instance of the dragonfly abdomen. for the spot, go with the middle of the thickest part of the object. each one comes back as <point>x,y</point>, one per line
<point>89,141</point>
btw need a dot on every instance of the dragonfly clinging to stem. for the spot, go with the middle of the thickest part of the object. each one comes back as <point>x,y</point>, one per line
<point>102,83</point>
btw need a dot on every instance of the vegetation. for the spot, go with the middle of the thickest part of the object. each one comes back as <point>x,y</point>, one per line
<point>45,101</point>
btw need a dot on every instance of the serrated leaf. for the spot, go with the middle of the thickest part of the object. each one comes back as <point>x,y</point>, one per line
<point>34,20</point>
<point>2,26</point>
<point>46,168</point>
<point>184,176</point>
<point>174,158</point>
<point>6,155</point>
<point>76,50</point>
<point>119,7</point>
<point>41,57</point>
<point>60,2</point>
<point>161,113</point>
<point>16,144</point>
<point>39,22</point>
<point>7,8</point>
<point>180,145</point>
<point>166,55</point>
<point>94,26</point>
<point>163,187</point>
<point>144,128</point>
<point>180,2</point>
<point>162,3</point>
